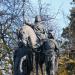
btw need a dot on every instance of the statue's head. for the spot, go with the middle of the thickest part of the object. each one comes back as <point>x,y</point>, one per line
<point>50,35</point>
<point>38,18</point>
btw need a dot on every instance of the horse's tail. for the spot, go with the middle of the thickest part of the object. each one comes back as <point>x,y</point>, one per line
<point>21,62</point>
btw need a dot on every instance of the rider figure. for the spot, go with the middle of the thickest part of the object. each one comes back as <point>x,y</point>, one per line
<point>51,37</point>
<point>40,29</point>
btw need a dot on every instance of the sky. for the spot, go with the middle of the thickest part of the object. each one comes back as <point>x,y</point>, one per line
<point>59,9</point>
<point>63,7</point>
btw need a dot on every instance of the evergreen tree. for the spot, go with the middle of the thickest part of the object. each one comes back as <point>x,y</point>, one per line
<point>69,31</point>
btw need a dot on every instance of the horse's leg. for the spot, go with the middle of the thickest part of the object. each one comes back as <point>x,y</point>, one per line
<point>36,62</point>
<point>31,64</point>
<point>56,65</point>
<point>33,59</point>
<point>41,62</point>
<point>53,64</point>
<point>47,64</point>
<point>36,68</point>
<point>48,69</point>
<point>41,67</point>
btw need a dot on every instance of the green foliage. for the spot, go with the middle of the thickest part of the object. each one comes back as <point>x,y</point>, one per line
<point>7,48</point>
<point>69,31</point>
<point>0,72</point>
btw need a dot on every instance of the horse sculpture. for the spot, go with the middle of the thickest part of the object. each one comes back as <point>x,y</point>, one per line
<point>23,56</point>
